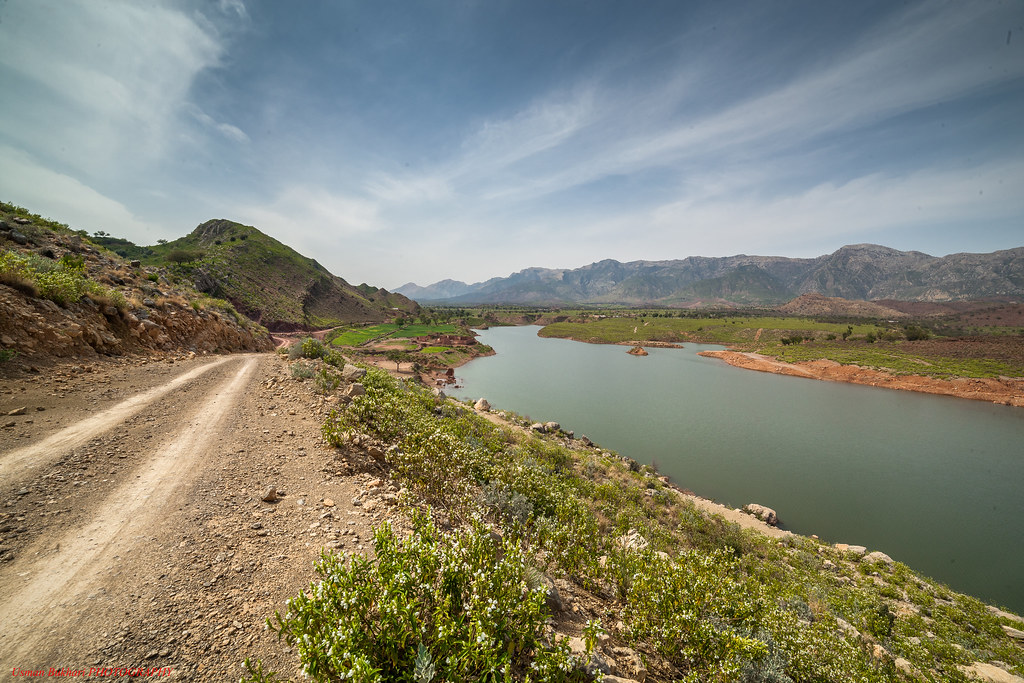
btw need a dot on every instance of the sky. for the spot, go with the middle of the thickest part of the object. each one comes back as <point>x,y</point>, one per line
<point>399,141</point>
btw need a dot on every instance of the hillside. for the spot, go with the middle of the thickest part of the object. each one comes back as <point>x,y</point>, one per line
<point>863,271</point>
<point>61,295</point>
<point>270,282</point>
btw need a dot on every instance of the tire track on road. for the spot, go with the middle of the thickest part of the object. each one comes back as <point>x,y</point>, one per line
<point>58,581</point>
<point>17,463</point>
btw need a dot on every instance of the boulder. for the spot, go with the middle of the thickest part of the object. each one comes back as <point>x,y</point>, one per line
<point>765,514</point>
<point>537,427</point>
<point>879,556</point>
<point>269,495</point>
<point>482,405</point>
<point>350,373</point>
<point>637,351</point>
<point>354,389</point>
<point>552,427</point>
<point>1016,634</point>
<point>858,550</point>
<point>990,673</point>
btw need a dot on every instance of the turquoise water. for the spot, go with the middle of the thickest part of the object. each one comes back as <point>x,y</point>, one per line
<point>935,482</point>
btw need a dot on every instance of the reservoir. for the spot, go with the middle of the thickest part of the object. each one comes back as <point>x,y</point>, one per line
<point>934,482</point>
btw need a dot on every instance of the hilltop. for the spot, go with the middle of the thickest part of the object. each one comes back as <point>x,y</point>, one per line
<point>62,295</point>
<point>861,271</point>
<point>269,281</point>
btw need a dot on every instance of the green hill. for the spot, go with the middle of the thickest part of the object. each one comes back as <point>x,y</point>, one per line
<point>271,282</point>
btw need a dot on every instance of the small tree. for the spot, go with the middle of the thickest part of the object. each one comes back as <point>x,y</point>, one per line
<point>916,332</point>
<point>396,357</point>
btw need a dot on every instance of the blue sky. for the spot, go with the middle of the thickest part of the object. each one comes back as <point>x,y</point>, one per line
<point>415,141</point>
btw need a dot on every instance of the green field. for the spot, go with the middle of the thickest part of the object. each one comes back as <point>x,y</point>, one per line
<point>893,358</point>
<point>808,339</point>
<point>354,336</point>
<point>708,330</point>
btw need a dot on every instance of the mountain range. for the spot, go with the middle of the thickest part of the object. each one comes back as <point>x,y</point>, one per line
<point>860,271</point>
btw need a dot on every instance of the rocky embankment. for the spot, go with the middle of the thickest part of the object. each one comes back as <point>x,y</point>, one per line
<point>155,314</point>
<point>1007,391</point>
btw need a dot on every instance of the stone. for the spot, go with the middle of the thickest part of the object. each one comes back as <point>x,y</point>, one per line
<point>17,237</point>
<point>879,556</point>
<point>858,550</point>
<point>1016,634</point>
<point>135,264</point>
<point>537,427</point>
<point>482,405</point>
<point>632,540</point>
<point>354,389</point>
<point>552,426</point>
<point>905,666</point>
<point>598,662</point>
<point>17,411</point>
<point>328,503</point>
<point>585,441</point>
<point>351,373</point>
<point>763,513</point>
<point>990,673</point>
<point>20,220</point>
<point>270,495</point>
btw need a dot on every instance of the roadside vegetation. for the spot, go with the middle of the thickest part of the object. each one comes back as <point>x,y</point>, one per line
<point>62,281</point>
<point>498,512</point>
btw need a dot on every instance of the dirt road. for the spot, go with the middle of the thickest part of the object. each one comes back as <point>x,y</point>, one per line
<point>132,530</point>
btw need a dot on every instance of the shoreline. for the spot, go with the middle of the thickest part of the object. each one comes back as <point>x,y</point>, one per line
<point>1009,392</point>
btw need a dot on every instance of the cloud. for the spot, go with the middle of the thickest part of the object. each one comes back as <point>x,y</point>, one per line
<point>106,79</point>
<point>236,7</point>
<point>229,131</point>
<point>310,213</point>
<point>572,138</point>
<point>836,212</point>
<point>25,182</point>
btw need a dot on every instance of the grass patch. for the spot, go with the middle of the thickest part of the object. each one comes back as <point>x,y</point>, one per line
<point>355,336</point>
<point>893,358</point>
<point>706,330</point>
<point>435,349</point>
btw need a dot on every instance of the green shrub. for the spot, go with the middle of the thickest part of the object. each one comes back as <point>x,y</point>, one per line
<point>7,354</point>
<point>326,381</point>
<point>434,606</point>
<point>301,370</point>
<point>694,610</point>
<point>916,332</point>
<point>312,348</point>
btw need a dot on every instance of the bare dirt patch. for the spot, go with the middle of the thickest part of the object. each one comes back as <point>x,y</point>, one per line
<point>1003,390</point>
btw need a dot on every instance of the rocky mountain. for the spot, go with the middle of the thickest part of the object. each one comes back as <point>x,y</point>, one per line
<point>862,271</point>
<point>270,282</point>
<point>62,295</point>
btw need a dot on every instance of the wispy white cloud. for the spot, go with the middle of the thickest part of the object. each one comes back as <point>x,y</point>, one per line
<point>26,182</point>
<point>307,213</point>
<point>226,129</point>
<point>568,140</point>
<point>109,79</point>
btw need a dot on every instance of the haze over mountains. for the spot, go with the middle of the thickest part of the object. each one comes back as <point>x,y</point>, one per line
<point>861,271</point>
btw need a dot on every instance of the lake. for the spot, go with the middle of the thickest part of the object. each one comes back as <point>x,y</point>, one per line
<point>935,482</point>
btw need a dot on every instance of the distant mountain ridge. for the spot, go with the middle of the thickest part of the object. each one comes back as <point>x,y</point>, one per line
<point>859,271</point>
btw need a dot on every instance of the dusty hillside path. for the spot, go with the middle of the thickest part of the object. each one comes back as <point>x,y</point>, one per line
<point>134,534</point>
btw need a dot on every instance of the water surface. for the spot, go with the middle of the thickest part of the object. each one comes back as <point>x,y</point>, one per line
<point>933,481</point>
